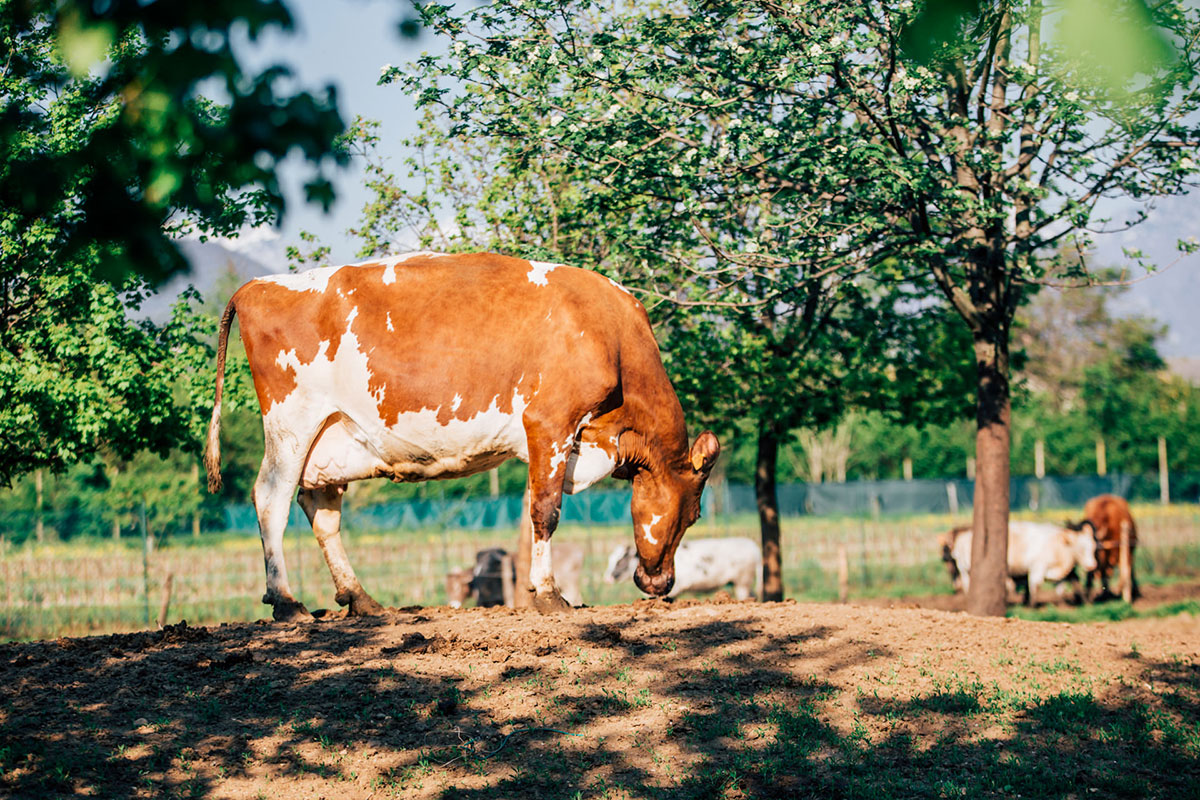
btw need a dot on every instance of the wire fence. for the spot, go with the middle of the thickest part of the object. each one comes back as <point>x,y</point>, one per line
<point>96,586</point>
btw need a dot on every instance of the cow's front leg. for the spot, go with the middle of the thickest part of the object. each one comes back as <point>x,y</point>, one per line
<point>547,469</point>
<point>323,507</point>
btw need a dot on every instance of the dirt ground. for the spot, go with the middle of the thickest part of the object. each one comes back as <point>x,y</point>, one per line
<point>651,700</point>
<point>1151,595</point>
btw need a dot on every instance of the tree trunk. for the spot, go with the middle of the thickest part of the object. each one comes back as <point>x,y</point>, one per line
<point>768,511</point>
<point>523,590</point>
<point>989,546</point>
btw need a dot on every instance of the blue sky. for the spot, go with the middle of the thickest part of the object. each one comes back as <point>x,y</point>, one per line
<point>345,43</point>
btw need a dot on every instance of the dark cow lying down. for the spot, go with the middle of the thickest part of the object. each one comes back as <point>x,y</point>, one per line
<point>437,366</point>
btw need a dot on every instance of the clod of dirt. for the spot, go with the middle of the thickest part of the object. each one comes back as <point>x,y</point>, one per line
<point>416,642</point>
<point>447,704</point>
<point>231,659</point>
<point>180,632</point>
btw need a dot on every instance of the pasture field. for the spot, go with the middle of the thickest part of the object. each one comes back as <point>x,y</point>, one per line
<point>98,586</point>
<point>654,699</point>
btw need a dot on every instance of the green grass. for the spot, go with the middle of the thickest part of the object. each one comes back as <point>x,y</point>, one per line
<point>97,585</point>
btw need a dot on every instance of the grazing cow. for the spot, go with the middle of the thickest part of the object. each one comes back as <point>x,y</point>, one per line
<point>485,582</point>
<point>437,366</point>
<point>1037,551</point>
<point>701,565</point>
<point>1103,517</point>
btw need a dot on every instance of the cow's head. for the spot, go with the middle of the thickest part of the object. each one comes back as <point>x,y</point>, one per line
<point>666,501</point>
<point>1082,544</point>
<point>621,564</point>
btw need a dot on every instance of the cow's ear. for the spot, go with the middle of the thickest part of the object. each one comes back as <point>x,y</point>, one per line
<point>704,452</point>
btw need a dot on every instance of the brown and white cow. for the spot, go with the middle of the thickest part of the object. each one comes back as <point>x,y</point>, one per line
<point>436,366</point>
<point>1104,515</point>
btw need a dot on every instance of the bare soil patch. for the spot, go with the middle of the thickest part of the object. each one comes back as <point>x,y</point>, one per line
<point>650,700</point>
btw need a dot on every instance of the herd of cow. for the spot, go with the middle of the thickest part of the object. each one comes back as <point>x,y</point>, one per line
<point>1040,551</point>
<point>431,365</point>
<point>701,565</point>
<point>1037,552</point>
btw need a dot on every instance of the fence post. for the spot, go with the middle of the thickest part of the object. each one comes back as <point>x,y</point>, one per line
<point>37,487</point>
<point>843,573</point>
<point>1125,563</point>
<point>1101,457</point>
<point>952,496</point>
<point>506,580</point>
<point>164,609</point>
<point>907,469</point>
<point>1039,459</point>
<point>145,566</point>
<point>1164,479</point>
<point>970,468</point>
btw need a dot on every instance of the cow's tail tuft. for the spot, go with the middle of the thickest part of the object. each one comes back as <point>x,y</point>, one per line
<point>212,448</point>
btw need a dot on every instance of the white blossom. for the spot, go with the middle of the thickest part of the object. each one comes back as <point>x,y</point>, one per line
<point>621,145</point>
<point>751,247</point>
<point>770,133</point>
<point>1072,96</point>
<point>1186,163</point>
<point>677,170</point>
<point>555,118</point>
<point>815,51</point>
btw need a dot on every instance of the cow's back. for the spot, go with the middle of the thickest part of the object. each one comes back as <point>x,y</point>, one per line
<point>500,323</point>
<point>424,366</point>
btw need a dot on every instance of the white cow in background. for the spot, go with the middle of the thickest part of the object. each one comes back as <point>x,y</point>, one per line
<point>701,565</point>
<point>1037,551</point>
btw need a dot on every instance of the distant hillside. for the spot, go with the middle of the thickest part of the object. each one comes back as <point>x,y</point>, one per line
<point>255,253</point>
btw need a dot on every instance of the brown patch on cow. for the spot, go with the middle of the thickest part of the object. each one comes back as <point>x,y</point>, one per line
<point>275,319</point>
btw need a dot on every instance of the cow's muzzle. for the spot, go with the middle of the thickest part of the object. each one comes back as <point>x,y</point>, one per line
<point>657,585</point>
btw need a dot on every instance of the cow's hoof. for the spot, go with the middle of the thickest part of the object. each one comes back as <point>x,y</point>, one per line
<point>364,605</point>
<point>290,611</point>
<point>550,603</point>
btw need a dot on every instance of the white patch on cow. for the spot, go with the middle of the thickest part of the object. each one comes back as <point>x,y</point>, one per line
<point>312,280</point>
<point>647,529</point>
<point>591,464</point>
<point>538,271</point>
<point>619,286</point>
<point>350,317</point>
<point>389,322</point>
<point>389,273</point>
<point>561,454</point>
<point>360,445</point>
<point>456,402</point>
<point>541,568</point>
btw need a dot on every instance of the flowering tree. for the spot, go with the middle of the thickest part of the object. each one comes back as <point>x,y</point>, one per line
<point>756,159</point>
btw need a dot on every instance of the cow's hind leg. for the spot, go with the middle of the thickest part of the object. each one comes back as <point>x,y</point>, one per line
<point>323,507</point>
<point>273,502</point>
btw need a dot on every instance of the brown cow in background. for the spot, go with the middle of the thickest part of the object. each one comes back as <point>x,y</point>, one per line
<point>1105,514</point>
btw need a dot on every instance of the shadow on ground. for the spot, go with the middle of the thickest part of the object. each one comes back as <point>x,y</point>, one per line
<point>627,702</point>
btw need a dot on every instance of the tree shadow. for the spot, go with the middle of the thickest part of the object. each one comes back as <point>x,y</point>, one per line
<point>628,707</point>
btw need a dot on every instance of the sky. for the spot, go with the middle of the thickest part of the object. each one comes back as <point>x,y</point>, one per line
<point>344,43</point>
<point>348,42</point>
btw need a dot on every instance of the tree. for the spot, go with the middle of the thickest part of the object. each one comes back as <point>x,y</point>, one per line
<point>107,150</point>
<point>767,145</point>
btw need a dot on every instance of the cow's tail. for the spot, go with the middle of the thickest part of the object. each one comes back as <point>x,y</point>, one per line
<point>212,449</point>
